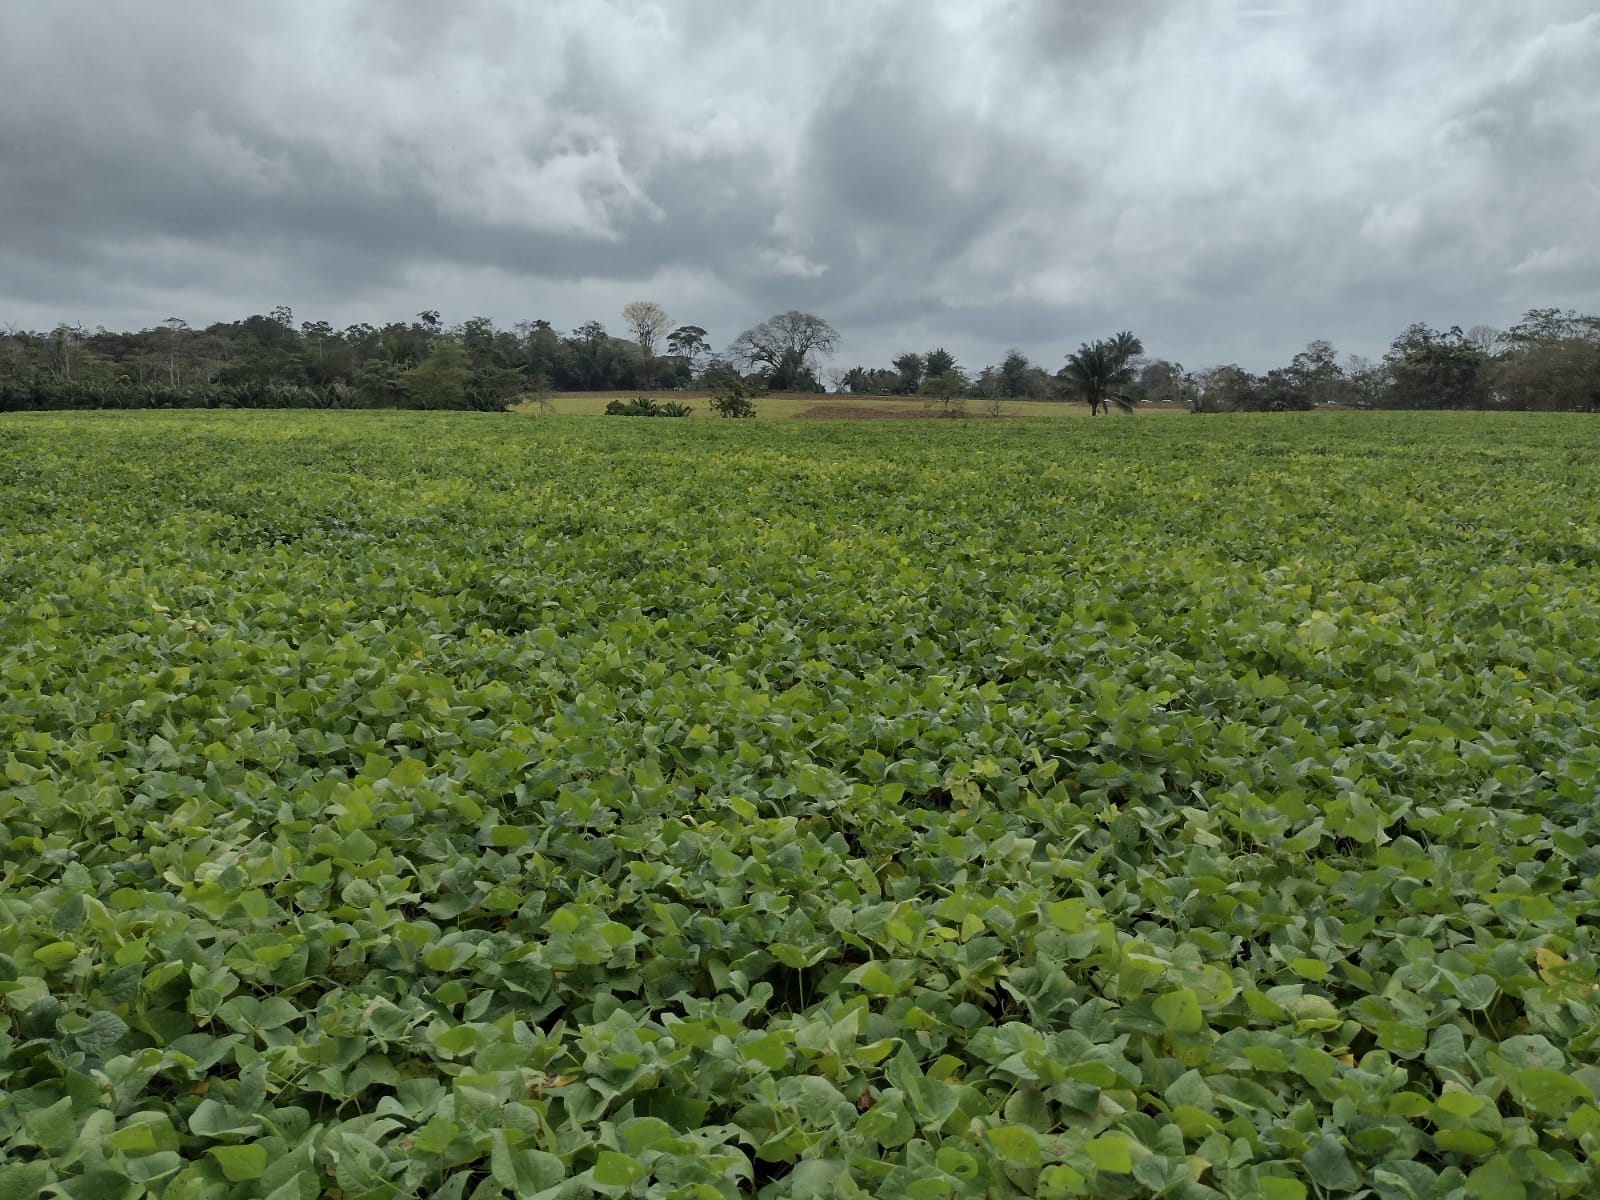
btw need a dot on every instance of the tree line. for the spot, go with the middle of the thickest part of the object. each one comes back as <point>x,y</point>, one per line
<point>1548,360</point>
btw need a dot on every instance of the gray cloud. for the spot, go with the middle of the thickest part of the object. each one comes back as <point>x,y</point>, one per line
<point>1228,178</point>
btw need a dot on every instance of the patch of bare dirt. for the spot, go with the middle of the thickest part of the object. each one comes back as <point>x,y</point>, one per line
<point>851,412</point>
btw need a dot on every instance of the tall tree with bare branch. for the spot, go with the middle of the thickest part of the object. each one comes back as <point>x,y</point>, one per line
<point>648,321</point>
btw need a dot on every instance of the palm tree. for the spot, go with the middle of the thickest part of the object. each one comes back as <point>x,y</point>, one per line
<point>1127,345</point>
<point>1102,370</point>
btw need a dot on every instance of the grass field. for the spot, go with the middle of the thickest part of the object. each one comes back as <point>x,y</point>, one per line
<point>793,404</point>
<point>451,805</point>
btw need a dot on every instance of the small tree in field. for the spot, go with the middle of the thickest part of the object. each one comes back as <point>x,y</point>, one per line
<point>538,393</point>
<point>732,399</point>
<point>947,393</point>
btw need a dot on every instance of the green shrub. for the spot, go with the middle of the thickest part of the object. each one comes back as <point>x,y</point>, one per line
<point>639,406</point>
<point>646,406</point>
<point>732,399</point>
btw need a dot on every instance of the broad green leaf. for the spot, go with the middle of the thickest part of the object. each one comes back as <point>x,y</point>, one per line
<point>100,1033</point>
<point>240,1163</point>
<point>1329,1166</point>
<point>1190,1088</point>
<point>617,1170</point>
<point>23,1181</point>
<point>97,1185</point>
<point>1551,1092</point>
<point>1029,1107</point>
<point>1495,1179</point>
<point>1111,1152</point>
<point>525,1170</point>
<point>1016,1144</point>
<point>52,1128</point>
<point>508,837</point>
<point>1180,1011</point>
<point>642,1133</point>
<point>1278,1187</point>
<point>1404,1181</point>
<point>769,1051</point>
<point>55,955</point>
<point>887,1123</point>
<point>1464,1141</point>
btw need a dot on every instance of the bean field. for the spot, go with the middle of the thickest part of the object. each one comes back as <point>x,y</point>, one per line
<point>498,805</point>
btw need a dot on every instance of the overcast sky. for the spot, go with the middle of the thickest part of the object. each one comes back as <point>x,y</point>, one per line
<point>1227,178</point>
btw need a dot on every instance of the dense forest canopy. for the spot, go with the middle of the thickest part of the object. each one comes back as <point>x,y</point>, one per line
<point>1550,360</point>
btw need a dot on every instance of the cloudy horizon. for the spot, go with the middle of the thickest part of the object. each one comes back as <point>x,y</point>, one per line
<point>1229,179</point>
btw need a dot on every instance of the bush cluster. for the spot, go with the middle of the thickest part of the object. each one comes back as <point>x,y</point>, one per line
<point>647,406</point>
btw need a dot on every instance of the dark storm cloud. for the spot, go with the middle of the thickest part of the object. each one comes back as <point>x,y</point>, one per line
<point>1064,37</point>
<point>1230,179</point>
